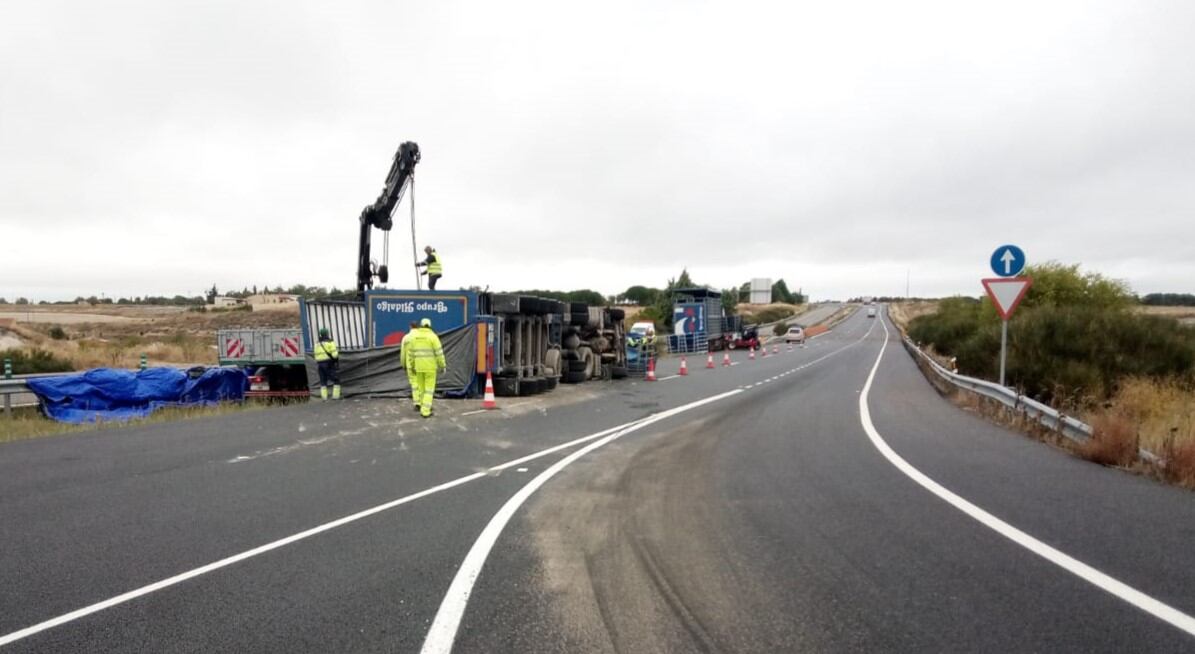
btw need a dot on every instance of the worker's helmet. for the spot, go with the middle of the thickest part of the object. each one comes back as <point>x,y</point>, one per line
<point>426,322</point>
<point>324,333</point>
<point>428,248</point>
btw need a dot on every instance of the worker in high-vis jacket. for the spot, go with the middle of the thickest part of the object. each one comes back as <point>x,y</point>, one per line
<point>435,268</point>
<point>408,363</point>
<point>327,359</point>
<point>427,355</point>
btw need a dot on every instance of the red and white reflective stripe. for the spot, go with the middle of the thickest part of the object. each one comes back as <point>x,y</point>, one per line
<point>289,347</point>
<point>235,348</point>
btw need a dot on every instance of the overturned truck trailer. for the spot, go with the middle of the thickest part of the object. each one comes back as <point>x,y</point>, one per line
<point>543,342</point>
<point>528,343</point>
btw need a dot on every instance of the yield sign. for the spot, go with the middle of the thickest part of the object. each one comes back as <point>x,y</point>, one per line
<point>1007,293</point>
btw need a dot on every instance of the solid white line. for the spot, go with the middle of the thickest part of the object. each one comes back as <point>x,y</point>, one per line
<point>191,574</point>
<point>262,549</point>
<point>1078,568</point>
<point>442,634</point>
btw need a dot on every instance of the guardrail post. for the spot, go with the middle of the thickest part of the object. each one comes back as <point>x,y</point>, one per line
<point>8,396</point>
<point>143,361</point>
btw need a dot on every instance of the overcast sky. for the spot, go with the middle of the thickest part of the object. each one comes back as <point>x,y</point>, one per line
<point>157,147</point>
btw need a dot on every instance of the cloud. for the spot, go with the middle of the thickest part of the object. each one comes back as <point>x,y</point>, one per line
<point>149,147</point>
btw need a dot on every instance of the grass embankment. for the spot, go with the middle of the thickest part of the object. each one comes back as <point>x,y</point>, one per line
<point>28,422</point>
<point>902,313</point>
<point>178,337</point>
<point>1080,343</point>
<point>758,314</point>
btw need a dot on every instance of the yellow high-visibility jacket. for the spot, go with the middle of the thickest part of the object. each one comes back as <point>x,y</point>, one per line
<point>325,350</point>
<point>426,353</point>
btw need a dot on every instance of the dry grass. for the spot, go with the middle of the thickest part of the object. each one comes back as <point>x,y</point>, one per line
<point>1185,315</point>
<point>27,422</point>
<point>902,313</point>
<point>1113,441</point>
<point>166,337</point>
<point>1161,417</point>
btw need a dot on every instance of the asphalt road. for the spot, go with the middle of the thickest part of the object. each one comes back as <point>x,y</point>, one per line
<point>736,509</point>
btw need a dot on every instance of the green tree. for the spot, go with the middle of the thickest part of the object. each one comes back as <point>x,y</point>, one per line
<point>780,292</point>
<point>684,281</point>
<point>641,295</point>
<point>1058,285</point>
<point>730,303</point>
<point>745,292</point>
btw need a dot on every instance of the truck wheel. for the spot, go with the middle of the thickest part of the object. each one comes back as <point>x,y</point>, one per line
<point>618,372</point>
<point>506,387</point>
<point>573,377</point>
<point>578,365</point>
<point>617,314</point>
<point>549,384</point>
<point>528,387</point>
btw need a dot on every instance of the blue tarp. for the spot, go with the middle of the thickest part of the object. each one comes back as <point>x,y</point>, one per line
<point>113,394</point>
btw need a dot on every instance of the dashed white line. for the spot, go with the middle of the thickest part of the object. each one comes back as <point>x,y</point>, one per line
<point>1085,572</point>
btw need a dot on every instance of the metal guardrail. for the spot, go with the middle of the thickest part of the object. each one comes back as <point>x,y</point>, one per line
<point>1047,416</point>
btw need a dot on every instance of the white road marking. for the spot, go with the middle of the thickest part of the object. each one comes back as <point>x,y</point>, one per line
<point>668,377</point>
<point>262,549</point>
<point>442,634</point>
<point>1085,572</point>
<point>473,413</point>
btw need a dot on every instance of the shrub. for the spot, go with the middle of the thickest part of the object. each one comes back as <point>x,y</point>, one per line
<point>780,329</point>
<point>1113,441</point>
<point>28,362</point>
<point>57,333</point>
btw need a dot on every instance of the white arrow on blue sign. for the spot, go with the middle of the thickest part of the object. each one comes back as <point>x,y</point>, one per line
<point>1008,261</point>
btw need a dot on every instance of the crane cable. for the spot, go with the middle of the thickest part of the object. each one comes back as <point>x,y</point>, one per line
<point>414,251</point>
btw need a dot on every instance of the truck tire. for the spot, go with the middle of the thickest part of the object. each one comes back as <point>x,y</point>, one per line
<point>506,387</point>
<point>549,384</point>
<point>569,355</point>
<point>578,307</point>
<point>618,372</point>
<point>573,377</point>
<point>577,365</point>
<point>504,303</point>
<point>618,314</point>
<point>552,359</point>
<point>528,387</point>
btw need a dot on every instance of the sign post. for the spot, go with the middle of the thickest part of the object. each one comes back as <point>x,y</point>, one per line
<point>1006,291</point>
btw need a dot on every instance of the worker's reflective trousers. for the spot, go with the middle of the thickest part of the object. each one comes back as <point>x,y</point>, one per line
<point>423,389</point>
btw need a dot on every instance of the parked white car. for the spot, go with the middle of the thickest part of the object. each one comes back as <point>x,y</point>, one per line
<point>794,335</point>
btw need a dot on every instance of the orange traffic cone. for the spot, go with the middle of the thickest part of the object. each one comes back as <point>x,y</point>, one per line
<point>752,355</point>
<point>684,367</point>
<point>651,370</point>
<point>488,402</point>
<point>763,350</point>
<point>726,360</point>
<point>775,349</point>
<point>709,360</point>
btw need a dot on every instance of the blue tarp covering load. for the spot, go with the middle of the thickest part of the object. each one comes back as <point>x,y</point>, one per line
<point>113,394</point>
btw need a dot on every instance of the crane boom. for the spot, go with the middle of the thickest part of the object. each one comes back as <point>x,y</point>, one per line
<point>379,214</point>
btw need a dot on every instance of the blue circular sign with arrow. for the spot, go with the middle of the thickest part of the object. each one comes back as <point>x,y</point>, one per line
<point>1008,261</point>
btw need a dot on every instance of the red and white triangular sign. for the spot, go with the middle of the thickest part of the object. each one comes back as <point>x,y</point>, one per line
<point>1007,293</point>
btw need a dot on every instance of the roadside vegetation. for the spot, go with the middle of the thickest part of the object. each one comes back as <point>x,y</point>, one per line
<point>1080,343</point>
<point>28,422</point>
<point>166,335</point>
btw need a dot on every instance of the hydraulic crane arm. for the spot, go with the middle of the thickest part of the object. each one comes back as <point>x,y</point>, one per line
<point>379,214</point>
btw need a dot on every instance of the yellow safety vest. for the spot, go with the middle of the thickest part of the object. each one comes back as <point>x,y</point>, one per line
<point>435,267</point>
<point>426,353</point>
<point>325,350</point>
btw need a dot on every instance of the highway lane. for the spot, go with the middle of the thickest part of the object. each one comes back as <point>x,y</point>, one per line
<point>85,518</point>
<point>775,525</point>
<point>764,521</point>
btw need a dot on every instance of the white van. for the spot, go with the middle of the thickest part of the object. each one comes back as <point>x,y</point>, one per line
<point>871,312</point>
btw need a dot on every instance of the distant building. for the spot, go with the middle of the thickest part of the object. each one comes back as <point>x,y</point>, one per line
<point>271,298</point>
<point>225,302</point>
<point>761,290</point>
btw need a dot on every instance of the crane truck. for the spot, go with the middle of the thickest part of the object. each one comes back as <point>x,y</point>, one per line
<point>528,344</point>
